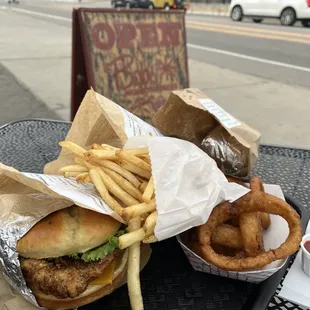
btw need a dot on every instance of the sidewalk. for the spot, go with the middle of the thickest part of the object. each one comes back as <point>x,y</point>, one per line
<point>40,58</point>
<point>208,9</point>
<point>43,66</point>
<point>17,102</point>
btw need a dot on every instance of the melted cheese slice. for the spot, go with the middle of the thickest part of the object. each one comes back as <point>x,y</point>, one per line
<point>106,277</point>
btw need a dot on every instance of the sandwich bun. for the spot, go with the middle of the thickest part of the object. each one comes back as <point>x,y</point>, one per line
<point>67,231</point>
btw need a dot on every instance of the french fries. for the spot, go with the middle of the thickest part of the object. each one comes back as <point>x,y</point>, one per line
<point>146,158</point>
<point>124,184</point>
<point>138,152</point>
<point>149,191</point>
<point>109,147</point>
<point>124,180</point>
<point>138,210</point>
<point>96,179</point>
<point>101,154</point>
<point>83,178</point>
<point>116,190</point>
<point>120,170</point>
<point>150,223</point>
<point>122,177</point>
<point>135,169</point>
<point>72,147</point>
<point>130,238</point>
<point>73,168</point>
<point>79,161</point>
<point>69,174</point>
<point>124,154</point>
<point>134,287</point>
<point>150,239</point>
<point>143,186</point>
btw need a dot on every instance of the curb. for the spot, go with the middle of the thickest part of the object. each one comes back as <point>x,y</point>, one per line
<point>207,13</point>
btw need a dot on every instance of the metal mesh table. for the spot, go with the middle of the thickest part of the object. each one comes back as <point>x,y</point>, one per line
<point>168,281</point>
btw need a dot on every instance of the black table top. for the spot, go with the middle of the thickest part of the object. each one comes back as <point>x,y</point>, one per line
<point>168,281</point>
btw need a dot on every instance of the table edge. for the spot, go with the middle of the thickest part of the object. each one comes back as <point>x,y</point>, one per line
<point>69,122</point>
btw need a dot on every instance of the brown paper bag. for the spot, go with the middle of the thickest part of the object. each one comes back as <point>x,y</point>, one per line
<point>100,120</point>
<point>25,201</point>
<point>190,115</point>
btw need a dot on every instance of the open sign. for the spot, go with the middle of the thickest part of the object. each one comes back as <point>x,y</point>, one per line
<point>135,58</point>
<point>143,35</point>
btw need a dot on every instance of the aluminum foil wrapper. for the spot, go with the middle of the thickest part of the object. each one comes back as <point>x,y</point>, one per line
<point>12,227</point>
<point>230,155</point>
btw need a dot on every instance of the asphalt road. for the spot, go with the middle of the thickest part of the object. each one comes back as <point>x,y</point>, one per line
<point>267,50</point>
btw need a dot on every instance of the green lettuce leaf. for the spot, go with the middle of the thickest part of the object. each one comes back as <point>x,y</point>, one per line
<point>101,251</point>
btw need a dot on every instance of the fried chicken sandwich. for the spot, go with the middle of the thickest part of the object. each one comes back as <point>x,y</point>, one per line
<point>71,258</point>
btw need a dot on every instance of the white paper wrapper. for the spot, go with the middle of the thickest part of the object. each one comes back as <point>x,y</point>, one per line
<point>188,184</point>
<point>274,236</point>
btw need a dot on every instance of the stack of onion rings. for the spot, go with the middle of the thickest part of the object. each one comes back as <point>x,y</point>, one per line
<point>254,201</point>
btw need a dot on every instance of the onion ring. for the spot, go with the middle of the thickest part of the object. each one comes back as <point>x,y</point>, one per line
<point>253,201</point>
<point>256,184</point>
<point>251,225</point>
<point>251,230</point>
<point>229,236</point>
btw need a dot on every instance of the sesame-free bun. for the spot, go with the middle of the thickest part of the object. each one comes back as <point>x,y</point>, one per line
<point>67,231</point>
<point>92,293</point>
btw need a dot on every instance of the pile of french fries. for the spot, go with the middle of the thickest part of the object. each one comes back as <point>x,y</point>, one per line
<point>123,177</point>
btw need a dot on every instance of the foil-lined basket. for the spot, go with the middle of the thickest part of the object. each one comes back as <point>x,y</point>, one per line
<point>199,264</point>
<point>274,236</point>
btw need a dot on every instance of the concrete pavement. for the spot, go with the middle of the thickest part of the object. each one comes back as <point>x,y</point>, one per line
<point>279,111</point>
<point>17,102</point>
<point>38,52</point>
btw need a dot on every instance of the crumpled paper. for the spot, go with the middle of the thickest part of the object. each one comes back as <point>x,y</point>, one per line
<point>188,184</point>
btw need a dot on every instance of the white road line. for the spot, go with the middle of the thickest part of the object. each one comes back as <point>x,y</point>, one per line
<point>199,47</point>
<point>242,56</point>
<point>206,13</point>
<point>35,13</point>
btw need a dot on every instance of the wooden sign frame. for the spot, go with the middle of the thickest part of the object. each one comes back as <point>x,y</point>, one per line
<point>83,76</point>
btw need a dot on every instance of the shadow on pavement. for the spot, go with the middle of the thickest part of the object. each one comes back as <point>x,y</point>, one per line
<point>17,102</point>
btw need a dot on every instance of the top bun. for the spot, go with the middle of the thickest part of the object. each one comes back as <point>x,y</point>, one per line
<point>67,231</point>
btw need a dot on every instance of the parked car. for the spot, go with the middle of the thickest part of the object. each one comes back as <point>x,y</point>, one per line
<point>288,11</point>
<point>169,4</point>
<point>143,4</point>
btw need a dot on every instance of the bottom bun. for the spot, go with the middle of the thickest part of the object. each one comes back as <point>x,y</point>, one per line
<point>92,293</point>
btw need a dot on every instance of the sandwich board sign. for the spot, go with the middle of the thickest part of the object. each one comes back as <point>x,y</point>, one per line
<point>133,57</point>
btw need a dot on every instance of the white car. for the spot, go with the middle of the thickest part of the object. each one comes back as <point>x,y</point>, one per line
<point>288,11</point>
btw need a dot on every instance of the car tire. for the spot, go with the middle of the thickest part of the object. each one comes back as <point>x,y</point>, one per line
<point>288,17</point>
<point>257,20</point>
<point>236,14</point>
<point>306,22</point>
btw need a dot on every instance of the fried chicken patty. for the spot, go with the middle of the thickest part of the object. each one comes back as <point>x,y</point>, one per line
<point>63,277</point>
